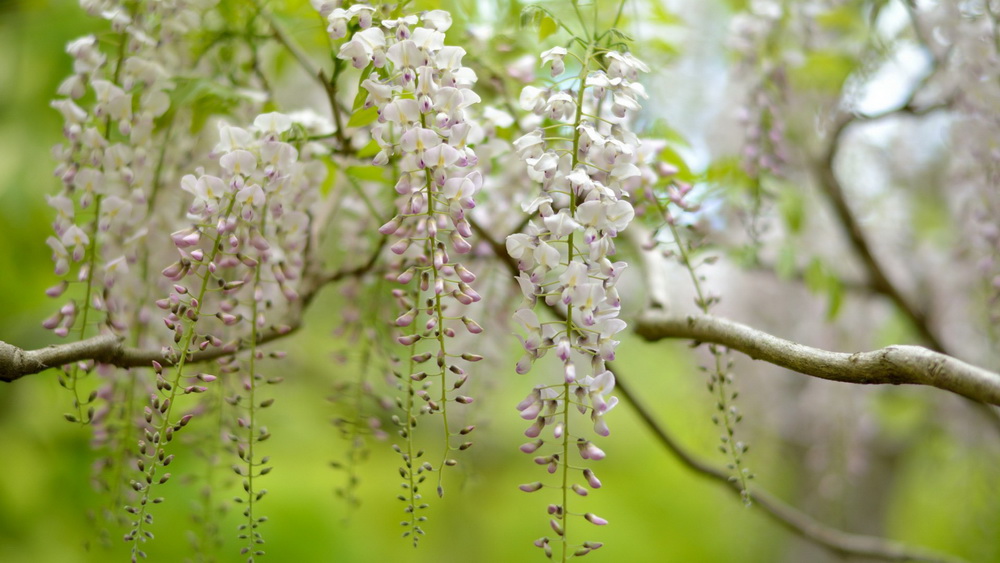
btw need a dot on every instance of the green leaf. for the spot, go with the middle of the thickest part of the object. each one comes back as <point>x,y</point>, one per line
<point>785,266</point>
<point>792,206</point>
<point>822,71</point>
<point>363,117</point>
<point>815,275</point>
<point>205,97</point>
<point>547,27</point>
<point>367,173</point>
<point>819,278</point>
<point>621,35</point>
<point>661,129</point>
<point>331,177</point>
<point>729,173</point>
<point>671,156</point>
<point>369,150</point>
<point>540,19</point>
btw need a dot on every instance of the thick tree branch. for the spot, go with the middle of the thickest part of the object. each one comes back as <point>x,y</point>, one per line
<point>798,522</point>
<point>895,365</point>
<point>109,349</point>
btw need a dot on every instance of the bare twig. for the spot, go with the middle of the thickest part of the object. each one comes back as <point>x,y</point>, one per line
<point>895,365</point>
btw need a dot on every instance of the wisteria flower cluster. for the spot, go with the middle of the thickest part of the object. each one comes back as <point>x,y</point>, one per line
<point>241,256</point>
<point>566,260</point>
<point>108,171</point>
<point>422,92</point>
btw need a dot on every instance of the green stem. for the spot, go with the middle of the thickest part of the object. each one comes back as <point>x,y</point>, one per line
<point>161,432</point>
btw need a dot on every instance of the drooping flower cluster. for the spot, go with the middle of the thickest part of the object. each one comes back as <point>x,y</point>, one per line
<point>239,260</point>
<point>566,257</point>
<point>421,92</point>
<point>108,169</point>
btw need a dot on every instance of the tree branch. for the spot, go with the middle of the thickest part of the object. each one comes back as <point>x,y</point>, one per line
<point>796,521</point>
<point>110,349</point>
<point>895,365</point>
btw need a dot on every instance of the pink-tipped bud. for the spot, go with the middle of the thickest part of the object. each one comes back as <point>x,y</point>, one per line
<point>400,246</point>
<point>406,275</point>
<point>408,339</point>
<point>531,487</point>
<point>589,451</point>
<point>406,318</point>
<point>595,519</point>
<point>472,326</point>
<point>531,447</point>
<point>459,243</point>
<point>57,290</point>
<point>569,373</point>
<point>391,227</point>
<point>592,479</point>
<point>462,298</point>
<point>464,274</point>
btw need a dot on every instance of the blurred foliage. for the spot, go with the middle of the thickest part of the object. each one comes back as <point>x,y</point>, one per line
<point>659,511</point>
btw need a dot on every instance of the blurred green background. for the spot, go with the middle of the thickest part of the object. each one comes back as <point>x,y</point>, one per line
<point>659,511</point>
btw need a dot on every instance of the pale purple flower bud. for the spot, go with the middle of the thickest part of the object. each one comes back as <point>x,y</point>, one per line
<point>408,339</point>
<point>531,487</point>
<point>589,451</point>
<point>472,326</point>
<point>531,447</point>
<point>569,372</point>
<point>57,290</point>
<point>595,519</point>
<point>460,245</point>
<point>53,321</point>
<point>535,429</point>
<point>580,490</point>
<point>464,274</point>
<point>563,349</point>
<point>592,479</point>
<point>406,275</point>
<point>463,227</point>
<point>406,318</point>
<point>524,364</point>
<point>391,227</point>
<point>400,246</point>
<point>467,289</point>
<point>601,427</point>
<point>533,397</point>
<point>531,411</point>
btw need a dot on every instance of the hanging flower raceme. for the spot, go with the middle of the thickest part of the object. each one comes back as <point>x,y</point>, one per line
<point>238,261</point>
<point>107,167</point>
<point>588,172</point>
<point>421,92</point>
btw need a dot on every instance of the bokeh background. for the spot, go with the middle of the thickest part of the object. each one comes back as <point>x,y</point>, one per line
<point>882,454</point>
